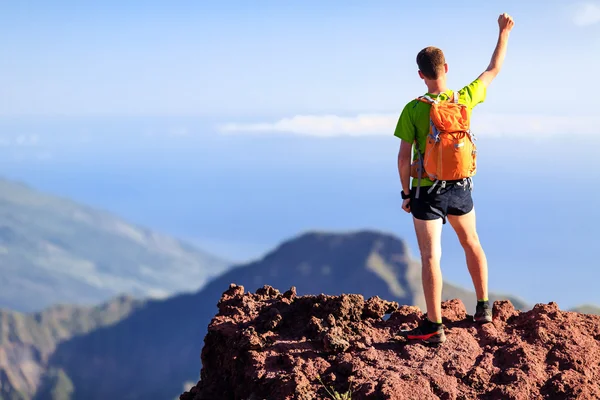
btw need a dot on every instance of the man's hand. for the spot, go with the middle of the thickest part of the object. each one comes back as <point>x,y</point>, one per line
<point>406,205</point>
<point>505,22</point>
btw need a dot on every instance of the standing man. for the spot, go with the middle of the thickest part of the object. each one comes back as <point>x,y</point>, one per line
<point>433,202</point>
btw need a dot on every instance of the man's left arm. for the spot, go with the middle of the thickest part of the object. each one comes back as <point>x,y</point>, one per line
<point>404,165</point>
<point>405,131</point>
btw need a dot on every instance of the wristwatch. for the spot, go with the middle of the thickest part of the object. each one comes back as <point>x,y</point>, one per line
<point>405,196</point>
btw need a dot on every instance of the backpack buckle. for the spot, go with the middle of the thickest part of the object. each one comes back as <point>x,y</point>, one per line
<point>443,186</point>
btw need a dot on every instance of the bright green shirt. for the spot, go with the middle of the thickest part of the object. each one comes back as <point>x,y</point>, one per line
<point>414,119</point>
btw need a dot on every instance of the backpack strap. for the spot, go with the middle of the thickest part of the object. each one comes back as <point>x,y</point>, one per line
<point>425,98</point>
<point>419,169</point>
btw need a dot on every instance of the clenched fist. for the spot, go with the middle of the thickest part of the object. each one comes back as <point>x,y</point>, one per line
<point>505,22</point>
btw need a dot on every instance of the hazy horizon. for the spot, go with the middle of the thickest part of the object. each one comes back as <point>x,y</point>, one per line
<point>207,188</point>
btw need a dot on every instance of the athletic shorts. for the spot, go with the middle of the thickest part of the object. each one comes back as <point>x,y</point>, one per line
<point>453,199</point>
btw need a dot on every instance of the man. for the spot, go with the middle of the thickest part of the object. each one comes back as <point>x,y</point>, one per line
<point>451,201</point>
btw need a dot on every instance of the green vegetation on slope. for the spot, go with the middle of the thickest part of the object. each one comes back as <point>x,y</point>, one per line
<point>27,342</point>
<point>56,386</point>
<point>68,253</point>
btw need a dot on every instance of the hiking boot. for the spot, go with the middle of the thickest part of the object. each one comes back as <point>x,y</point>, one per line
<point>483,313</point>
<point>427,332</point>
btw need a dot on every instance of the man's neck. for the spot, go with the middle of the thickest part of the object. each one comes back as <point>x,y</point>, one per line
<point>437,86</point>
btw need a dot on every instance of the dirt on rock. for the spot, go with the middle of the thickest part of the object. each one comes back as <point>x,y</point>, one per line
<point>268,345</point>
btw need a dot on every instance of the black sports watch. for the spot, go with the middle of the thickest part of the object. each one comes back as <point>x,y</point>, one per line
<point>405,196</point>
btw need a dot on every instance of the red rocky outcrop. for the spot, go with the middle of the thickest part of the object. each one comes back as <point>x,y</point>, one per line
<point>268,345</point>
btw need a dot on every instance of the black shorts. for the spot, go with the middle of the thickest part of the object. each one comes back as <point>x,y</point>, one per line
<point>453,199</point>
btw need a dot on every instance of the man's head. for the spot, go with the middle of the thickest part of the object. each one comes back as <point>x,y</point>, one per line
<point>432,64</point>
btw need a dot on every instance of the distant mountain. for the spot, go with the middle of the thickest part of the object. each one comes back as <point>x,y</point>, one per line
<point>154,351</point>
<point>28,340</point>
<point>53,250</point>
<point>587,309</point>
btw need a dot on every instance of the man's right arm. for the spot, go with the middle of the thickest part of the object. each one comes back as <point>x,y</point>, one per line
<point>505,23</point>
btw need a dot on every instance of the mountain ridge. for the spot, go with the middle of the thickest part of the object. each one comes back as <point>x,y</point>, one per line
<point>150,349</point>
<point>299,261</point>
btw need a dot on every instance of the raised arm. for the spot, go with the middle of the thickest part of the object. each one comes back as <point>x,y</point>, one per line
<point>505,23</point>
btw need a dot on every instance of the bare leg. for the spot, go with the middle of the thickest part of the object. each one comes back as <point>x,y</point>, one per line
<point>465,228</point>
<point>429,237</point>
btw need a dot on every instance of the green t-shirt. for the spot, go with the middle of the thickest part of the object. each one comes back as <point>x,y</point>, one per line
<point>414,119</point>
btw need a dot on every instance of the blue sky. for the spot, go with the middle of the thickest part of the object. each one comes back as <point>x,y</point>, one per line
<point>274,58</point>
<point>181,116</point>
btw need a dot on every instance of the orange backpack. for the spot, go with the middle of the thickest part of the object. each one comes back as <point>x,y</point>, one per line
<point>450,153</point>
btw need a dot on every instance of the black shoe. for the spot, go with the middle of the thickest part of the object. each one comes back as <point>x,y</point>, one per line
<point>427,332</point>
<point>483,313</point>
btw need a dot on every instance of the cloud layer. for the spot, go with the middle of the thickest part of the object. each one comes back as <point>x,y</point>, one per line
<point>321,125</point>
<point>587,14</point>
<point>384,124</point>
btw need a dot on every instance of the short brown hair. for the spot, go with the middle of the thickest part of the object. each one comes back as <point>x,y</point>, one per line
<point>431,62</point>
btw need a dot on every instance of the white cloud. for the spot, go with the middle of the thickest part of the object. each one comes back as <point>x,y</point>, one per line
<point>321,125</point>
<point>587,14</point>
<point>384,124</point>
